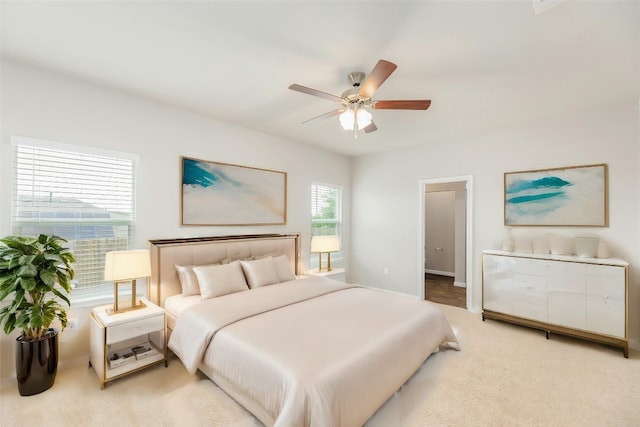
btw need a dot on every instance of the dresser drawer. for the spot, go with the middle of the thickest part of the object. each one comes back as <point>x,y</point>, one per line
<point>135,328</point>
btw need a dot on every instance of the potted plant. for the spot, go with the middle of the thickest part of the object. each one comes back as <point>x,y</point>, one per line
<point>35,275</point>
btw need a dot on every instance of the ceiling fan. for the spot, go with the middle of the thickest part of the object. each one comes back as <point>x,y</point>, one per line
<point>355,101</point>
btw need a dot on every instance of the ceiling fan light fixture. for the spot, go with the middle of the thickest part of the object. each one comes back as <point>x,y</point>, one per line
<point>350,117</point>
<point>347,119</point>
<point>364,118</point>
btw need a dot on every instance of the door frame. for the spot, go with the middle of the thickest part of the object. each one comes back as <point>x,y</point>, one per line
<point>468,180</point>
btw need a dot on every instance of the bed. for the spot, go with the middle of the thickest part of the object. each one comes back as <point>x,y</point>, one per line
<point>293,350</point>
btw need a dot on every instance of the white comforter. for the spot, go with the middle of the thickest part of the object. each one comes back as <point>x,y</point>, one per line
<point>311,352</point>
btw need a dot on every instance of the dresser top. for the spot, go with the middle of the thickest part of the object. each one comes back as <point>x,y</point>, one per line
<point>554,257</point>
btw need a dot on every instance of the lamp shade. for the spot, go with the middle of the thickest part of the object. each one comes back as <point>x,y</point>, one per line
<point>127,265</point>
<point>325,244</point>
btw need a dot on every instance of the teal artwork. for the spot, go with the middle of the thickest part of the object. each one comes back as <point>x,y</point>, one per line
<point>224,194</point>
<point>560,196</point>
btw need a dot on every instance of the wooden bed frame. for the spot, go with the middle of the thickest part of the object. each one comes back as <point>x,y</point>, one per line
<point>166,253</point>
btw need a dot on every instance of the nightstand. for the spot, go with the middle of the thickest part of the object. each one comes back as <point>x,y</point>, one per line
<point>335,274</point>
<point>125,342</point>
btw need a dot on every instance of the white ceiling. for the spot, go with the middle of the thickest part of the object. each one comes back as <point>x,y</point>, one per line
<point>483,64</point>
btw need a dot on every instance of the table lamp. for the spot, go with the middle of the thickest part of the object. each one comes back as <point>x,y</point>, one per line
<point>325,244</point>
<point>126,266</point>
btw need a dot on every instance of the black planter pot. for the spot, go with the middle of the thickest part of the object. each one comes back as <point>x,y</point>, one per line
<point>37,363</point>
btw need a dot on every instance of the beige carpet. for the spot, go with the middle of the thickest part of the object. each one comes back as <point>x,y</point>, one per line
<point>504,376</point>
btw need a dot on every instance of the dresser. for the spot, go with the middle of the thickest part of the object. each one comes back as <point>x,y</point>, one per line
<point>581,297</point>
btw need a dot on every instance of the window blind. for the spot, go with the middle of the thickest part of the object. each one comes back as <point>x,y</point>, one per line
<point>87,199</point>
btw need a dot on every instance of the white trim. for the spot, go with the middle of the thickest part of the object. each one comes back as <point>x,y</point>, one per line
<point>92,297</point>
<point>63,146</point>
<point>468,180</point>
<point>440,273</point>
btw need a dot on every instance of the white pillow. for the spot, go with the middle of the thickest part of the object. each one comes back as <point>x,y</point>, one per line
<point>260,272</point>
<point>188,280</point>
<point>283,268</point>
<point>218,280</point>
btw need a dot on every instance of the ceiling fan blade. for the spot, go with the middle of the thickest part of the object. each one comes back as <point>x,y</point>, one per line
<point>371,127</point>
<point>325,115</point>
<point>418,104</point>
<point>379,74</point>
<point>314,92</point>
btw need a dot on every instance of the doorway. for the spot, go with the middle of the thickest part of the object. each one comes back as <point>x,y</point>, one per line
<point>446,254</point>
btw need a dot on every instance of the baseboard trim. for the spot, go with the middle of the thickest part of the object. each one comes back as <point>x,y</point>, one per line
<point>460,284</point>
<point>440,273</point>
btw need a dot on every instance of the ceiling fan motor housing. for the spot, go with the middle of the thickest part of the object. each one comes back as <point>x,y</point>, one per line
<point>356,78</point>
<point>350,96</point>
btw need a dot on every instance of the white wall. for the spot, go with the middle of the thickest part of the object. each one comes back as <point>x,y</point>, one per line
<point>604,135</point>
<point>47,106</point>
<point>439,225</point>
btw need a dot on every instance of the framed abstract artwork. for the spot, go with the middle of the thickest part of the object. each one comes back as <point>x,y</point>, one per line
<point>214,193</point>
<point>568,196</point>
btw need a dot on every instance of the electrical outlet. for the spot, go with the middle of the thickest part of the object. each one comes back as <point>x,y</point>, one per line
<point>385,271</point>
<point>73,323</point>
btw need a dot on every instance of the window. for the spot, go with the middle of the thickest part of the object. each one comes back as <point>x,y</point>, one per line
<point>87,199</point>
<point>326,214</point>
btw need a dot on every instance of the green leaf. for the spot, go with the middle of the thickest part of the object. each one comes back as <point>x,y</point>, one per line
<point>62,316</point>
<point>7,286</point>
<point>28,284</point>
<point>28,270</point>
<point>53,257</point>
<point>61,295</point>
<point>49,277</point>
<point>9,320</point>
<point>36,318</point>
<point>18,302</point>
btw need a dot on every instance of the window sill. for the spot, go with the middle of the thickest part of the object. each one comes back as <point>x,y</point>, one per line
<point>101,295</point>
<point>93,297</point>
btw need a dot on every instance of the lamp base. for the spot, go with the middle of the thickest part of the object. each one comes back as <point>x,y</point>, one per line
<point>324,270</point>
<point>134,305</point>
<point>115,310</point>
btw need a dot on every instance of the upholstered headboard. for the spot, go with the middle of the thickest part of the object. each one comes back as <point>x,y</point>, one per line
<point>166,253</point>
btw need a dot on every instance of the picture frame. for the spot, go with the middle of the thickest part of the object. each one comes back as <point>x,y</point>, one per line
<point>224,194</point>
<point>564,196</point>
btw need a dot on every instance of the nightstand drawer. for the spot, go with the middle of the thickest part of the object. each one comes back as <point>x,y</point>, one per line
<point>135,328</point>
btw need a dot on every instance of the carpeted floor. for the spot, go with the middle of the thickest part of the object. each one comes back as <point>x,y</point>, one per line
<point>505,375</point>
